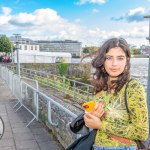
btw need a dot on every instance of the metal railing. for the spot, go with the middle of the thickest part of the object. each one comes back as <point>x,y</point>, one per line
<point>75,89</point>
<point>28,95</point>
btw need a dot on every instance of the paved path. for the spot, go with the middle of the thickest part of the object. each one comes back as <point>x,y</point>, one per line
<point>17,136</point>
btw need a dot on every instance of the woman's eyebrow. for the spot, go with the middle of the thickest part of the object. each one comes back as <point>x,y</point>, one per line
<point>121,56</point>
<point>117,56</point>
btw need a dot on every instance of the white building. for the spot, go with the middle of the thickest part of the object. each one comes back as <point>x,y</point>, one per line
<point>42,57</point>
<point>25,44</point>
<point>29,52</point>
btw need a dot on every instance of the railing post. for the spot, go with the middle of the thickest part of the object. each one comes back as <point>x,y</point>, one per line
<point>36,103</point>
<point>64,78</point>
<point>88,88</point>
<point>74,90</point>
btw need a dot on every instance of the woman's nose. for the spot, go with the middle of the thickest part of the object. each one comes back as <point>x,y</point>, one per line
<point>114,62</point>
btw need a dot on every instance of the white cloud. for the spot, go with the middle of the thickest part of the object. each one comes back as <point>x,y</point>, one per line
<point>135,36</point>
<point>133,15</point>
<point>6,10</point>
<point>43,24</point>
<point>95,10</point>
<point>38,17</point>
<point>82,2</point>
<point>5,17</point>
<point>140,10</point>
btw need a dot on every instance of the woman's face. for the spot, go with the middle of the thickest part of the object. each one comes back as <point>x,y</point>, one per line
<point>115,62</point>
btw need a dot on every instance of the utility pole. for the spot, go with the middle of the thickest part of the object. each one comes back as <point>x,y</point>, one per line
<point>148,82</point>
<point>12,54</point>
<point>17,50</point>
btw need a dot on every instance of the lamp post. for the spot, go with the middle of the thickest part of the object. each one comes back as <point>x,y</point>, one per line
<point>12,58</point>
<point>17,50</point>
<point>148,82</point>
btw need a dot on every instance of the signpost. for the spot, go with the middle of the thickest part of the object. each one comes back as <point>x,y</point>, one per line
<point>148,82</point>
<point>17,50</point>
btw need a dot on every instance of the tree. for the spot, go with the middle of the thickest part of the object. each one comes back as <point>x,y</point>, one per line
<point>89,49</point>
<point>63,68</point>
<point>5,44</point>
<point>86,50</point>
<point>135,51</point>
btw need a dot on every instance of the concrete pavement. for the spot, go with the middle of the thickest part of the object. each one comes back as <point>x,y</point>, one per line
<point>17,136</point>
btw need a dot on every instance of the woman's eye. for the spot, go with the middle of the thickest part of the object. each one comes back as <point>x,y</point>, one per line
<point>108,58</point>
<point>121,58</point>
<point>117,59</point>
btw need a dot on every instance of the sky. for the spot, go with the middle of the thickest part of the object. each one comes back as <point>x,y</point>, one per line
<point>88,21</point>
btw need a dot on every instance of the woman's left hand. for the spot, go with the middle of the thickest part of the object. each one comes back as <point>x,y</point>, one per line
<point>92,121</point>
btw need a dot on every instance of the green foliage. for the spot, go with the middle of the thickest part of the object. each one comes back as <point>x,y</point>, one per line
<point>135,51</point>
<point>89,49</point>
<point>65,86</point>
<point>86,50</point>
<point>5,44</point>
<point>63,68</point>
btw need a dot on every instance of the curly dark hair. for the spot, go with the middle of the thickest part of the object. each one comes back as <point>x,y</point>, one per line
<point>100,76</point>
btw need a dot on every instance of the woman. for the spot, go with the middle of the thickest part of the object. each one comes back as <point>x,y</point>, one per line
<point>117,130</point>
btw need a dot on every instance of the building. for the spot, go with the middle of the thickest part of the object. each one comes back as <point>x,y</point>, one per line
<point>25,44</point>
<point>145,49</point>
<point>67,46</point>
<point>29,52</point>
<point>42,57</point>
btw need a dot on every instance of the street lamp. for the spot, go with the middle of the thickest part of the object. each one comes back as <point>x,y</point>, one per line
<point>12,54</point>
<point>148,38</point>
<point>148,82</point>
<point>17,50</point>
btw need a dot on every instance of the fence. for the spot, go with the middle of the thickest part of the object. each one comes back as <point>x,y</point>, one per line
<point>75,89</point>
<point>38,104</point>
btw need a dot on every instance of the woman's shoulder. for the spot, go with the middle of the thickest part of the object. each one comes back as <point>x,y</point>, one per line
<point>135,84</point>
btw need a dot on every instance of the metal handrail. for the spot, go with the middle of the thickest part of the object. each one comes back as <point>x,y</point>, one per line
<point>50,100</point>
<point>85,95</point>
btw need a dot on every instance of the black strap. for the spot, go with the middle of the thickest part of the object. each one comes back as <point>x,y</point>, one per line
<point>125,96</point>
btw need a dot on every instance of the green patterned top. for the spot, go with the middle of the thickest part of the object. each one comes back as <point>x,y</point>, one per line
<point>117,122</point>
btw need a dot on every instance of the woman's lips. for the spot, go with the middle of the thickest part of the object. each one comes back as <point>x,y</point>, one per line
<point>113,70</point>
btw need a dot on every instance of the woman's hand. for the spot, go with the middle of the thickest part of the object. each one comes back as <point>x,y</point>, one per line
<point>98,110</point>
<point>92,121</point>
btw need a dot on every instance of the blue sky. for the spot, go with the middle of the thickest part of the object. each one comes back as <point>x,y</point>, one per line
<point>88,21</point>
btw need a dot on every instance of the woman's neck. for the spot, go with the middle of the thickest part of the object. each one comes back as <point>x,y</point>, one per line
<point>110,84</point>
<point>110,79</point>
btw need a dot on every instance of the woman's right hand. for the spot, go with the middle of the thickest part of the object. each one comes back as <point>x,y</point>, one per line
<point>92,121</point>
<point>98,110</point>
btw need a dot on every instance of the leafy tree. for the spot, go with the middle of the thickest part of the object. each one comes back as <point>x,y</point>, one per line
<point>86,50</point>
<point>5,44</point>
<point>90,49</point>
<point>63,68</point>
<point>135,51</point>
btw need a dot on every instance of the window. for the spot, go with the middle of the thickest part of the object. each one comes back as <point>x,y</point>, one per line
<point>25,47</point>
